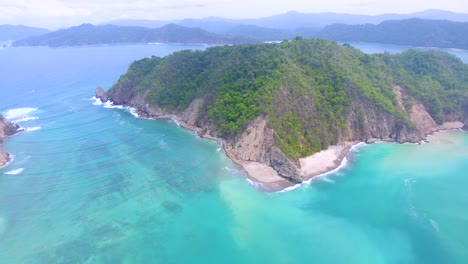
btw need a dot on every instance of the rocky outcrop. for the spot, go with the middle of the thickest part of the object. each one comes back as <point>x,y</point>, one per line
<point>254,142</point>
<point>284,166</point>
<point>101,94</point>
<point>4,157</point>
<point>6,129</point>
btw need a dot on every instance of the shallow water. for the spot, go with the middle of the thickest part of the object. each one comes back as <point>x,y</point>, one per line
<point>90,184</point>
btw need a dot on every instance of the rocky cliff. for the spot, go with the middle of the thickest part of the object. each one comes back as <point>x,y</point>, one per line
<point>257,143</point>
<point>6,129</point>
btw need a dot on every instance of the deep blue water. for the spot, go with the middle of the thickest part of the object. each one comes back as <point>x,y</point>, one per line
<point>91,184</point>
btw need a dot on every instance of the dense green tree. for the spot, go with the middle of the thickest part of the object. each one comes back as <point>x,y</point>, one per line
<point>307,88</point>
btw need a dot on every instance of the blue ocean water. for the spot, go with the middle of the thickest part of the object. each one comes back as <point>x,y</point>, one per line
<point>90,184</point>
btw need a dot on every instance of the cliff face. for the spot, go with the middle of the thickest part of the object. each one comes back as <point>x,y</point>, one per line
<point>273,104</point>
<point>257,142</point>
<point>6,129</point>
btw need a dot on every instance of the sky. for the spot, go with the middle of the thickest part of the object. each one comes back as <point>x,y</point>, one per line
<point>65,13</point>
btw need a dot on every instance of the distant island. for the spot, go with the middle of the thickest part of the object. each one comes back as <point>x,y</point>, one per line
<point>88,34</point>
<point>289,111</point>
<point>10,32</point>
<point>410,32</point>
<point>6,129</point>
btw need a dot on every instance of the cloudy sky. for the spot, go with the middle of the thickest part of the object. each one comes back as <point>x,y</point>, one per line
<point>63,13</point>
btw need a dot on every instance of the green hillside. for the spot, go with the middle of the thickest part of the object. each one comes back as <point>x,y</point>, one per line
<point>314,92</point>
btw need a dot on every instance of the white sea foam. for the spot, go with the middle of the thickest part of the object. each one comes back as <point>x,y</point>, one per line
<point>343,164</point>
<point>133,111</point>
<point>110,104</point>
<point>356,147</point>
<point>254,184</point>
<point>15,171</point>
<point>18,113</point>
<point>175,121</point>
<point>97,101</point>
<point>27,129</point>
<point>290,188</point>
<point>24,119</point>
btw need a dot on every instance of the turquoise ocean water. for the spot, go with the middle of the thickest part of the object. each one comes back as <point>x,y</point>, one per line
<point>93,184</point>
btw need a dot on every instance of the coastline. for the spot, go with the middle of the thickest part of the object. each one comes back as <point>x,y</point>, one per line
<point>322,163</point>
<point>265,178</point>
<point>7,129</point>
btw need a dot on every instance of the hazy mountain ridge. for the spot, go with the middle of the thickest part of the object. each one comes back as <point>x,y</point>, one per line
<point>87,34</point>
<point>293,20</point>
<point>411,32</point>
<point>11,32</point>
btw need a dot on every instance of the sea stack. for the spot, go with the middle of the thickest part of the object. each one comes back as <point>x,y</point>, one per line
<point>7,128</point>
<point>101,94</point>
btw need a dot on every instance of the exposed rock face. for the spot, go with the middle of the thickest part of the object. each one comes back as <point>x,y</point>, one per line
<point>6,129</point>
<point>4,157</point>
<point>101,94</point>
<point>190,114</point>
<point>254,142</point>
<point>283,166</point>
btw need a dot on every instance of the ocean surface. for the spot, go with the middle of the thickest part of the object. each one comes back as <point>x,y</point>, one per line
<point>91,183</point>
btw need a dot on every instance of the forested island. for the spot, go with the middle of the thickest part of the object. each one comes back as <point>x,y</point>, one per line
<point>88,34</point>
<point>273,104</point>
<point>411,32</point>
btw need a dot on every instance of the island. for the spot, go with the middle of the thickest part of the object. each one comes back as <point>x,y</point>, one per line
<point>7,128</point>
<point>290,111</point>
<point>411,32</point>
<point>11,32</point>
<point>88,34</point>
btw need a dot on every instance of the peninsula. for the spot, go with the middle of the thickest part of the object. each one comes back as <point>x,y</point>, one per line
<point>287,112</point>
<point>6,129</point>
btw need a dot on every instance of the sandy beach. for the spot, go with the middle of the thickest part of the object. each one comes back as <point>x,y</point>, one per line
<point>325,160</point>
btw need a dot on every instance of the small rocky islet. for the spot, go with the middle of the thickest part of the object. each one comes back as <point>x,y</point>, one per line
<point>7,128</point>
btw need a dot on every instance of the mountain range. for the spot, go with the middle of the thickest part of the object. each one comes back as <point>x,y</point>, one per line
<point>293,20</point>
<point>411,32</point>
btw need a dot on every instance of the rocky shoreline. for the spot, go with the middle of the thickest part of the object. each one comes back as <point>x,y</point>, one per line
<point>7,128</point>
<point>254,151</point>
